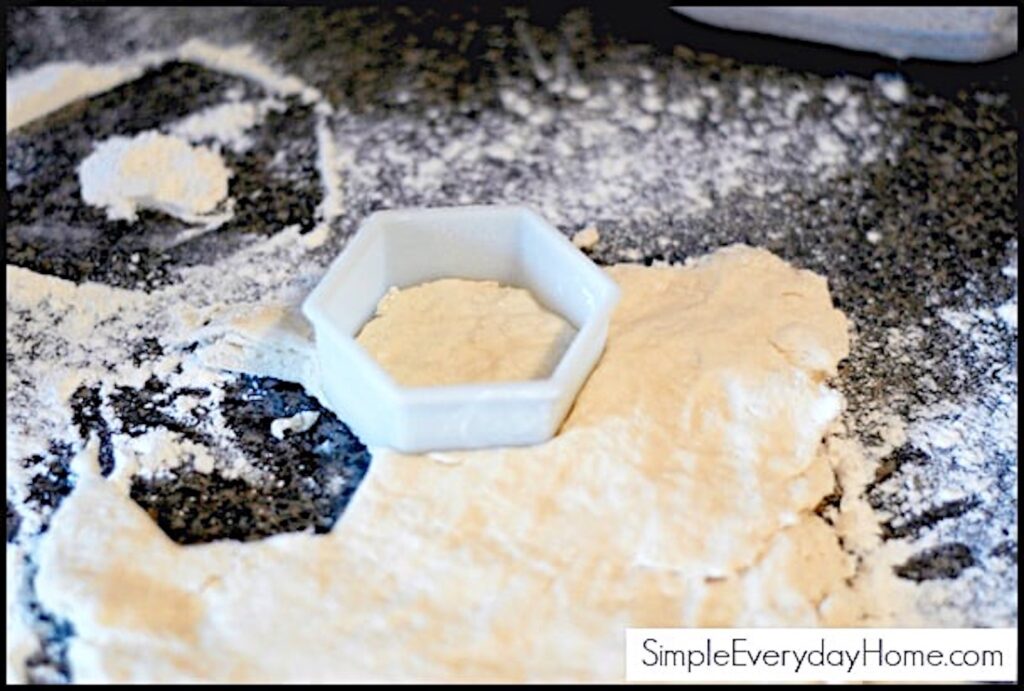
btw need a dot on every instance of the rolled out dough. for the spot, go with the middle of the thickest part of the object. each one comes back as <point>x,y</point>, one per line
<point>680,492</point>
<point>455,331</point>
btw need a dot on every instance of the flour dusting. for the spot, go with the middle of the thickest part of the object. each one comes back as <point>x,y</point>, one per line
<point>226,124</point>
<point>614,147</point>
<point>33,94</point>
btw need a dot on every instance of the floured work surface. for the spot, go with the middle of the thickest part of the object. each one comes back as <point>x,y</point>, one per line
<point>126,340</point>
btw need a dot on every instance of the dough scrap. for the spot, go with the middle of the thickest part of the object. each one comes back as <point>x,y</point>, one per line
<point>153,171</point>
<point>587,238</point>
<point>295,424</point>
<point>454,331</point>
<point>680,492</point>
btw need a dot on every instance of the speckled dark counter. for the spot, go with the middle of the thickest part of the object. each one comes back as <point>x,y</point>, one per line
<point>944,215</point>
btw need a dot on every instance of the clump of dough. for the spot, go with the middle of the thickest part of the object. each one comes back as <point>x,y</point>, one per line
<point>587,238</point>
<point>153,171</point>
<point>296,424</point>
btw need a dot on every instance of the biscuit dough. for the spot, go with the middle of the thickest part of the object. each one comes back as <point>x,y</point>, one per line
<point>680,492</point>
<point>454,331</point>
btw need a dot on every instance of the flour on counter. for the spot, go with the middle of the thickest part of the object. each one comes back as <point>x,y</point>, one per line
<point>226,123</point>
<point>155,453</point>
<point>1008,313</point>
<point>328,162</point>
<point>242,60</point>
<point>21,642</point>
<point>1008,310</point>
<point>64,339</point>
<point>93,346</point>
<point>33,94</point>
<point>601,148</point>
<point>955,495</point>
<point>42,90</point>
<point>153,171</point>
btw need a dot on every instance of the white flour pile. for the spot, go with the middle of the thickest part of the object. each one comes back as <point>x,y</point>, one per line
<point>153,171</point>
<point>682,490</point>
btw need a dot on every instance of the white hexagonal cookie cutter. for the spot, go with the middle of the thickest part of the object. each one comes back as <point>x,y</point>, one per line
<point>509,244</point>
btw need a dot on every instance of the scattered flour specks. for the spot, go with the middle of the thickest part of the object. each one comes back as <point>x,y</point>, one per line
<point>957,494</point>
<point>1008,313</point>
<point>617,148</point>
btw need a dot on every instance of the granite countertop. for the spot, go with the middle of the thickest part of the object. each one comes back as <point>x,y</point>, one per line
<point>915,239</point>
